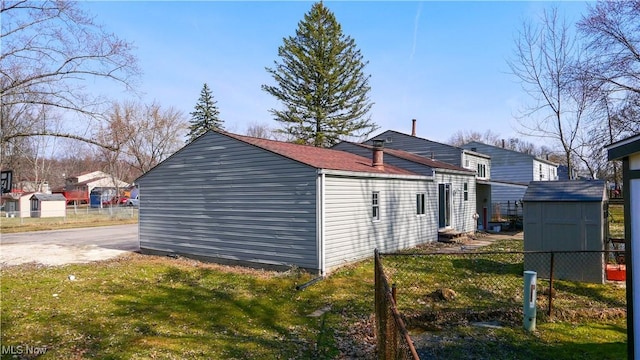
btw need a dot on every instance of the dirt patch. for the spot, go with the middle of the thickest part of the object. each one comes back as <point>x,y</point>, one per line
<point>54,255</point>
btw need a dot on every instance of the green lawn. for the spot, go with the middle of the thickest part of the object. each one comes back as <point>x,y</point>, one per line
<point>616,221</point>
<point>589,320</point>
<point>142,307</point>
<point>75,218</point>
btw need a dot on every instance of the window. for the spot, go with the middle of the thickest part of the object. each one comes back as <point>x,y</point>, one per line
<point>375,206</point>
<point>482,170</point>
<point>420,204</point>
<point>466,163</point>
<point>540,171</point>
<point>466,191</point>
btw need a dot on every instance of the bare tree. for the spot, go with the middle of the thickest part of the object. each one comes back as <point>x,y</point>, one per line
<point>48,49</point>
<point>545,61</point>
<point>612,31</point>
<point>260,131</point>
<point>147,134</point>
<point>462,137</point>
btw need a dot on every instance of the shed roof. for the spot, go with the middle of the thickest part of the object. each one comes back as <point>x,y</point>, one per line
<point>320,158</point>
<point>624,147</point>
<point>566,191</point>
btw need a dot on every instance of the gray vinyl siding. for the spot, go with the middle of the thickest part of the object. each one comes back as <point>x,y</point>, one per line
<point>566,216</point>
<point>462,211</point>
<point>350,232</point>
<point>387,158</point>
<point>423,147</point>
<point>227,200</point>
<point>505,193</point>
<point>513,166</point>
<point>566,226</point>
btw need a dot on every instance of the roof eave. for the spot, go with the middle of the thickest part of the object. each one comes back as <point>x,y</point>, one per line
<point>374,175</point>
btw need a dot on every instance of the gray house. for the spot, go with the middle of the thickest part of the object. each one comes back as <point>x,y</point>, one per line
<point>511,171</point>
<point>242,200</point>
<point>456,186</point>
<point>462,158</point>
<point>567,216</point>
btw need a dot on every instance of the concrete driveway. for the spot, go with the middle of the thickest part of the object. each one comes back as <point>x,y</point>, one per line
<point>61,247</point>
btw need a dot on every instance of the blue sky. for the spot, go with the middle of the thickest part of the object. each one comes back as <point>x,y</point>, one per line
<point>442,63</point>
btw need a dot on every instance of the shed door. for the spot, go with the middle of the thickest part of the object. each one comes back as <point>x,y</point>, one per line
<point>35,205</point>
<point>444,205</point>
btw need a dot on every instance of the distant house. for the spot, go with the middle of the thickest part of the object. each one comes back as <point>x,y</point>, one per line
<point>243,200</point>
<point>456,186</point>
<point>511,171</point>
<point>475,161</point>
<point>89,181</point>
<point>77,189</point>
<point>47,205</point>
<point>31,185</point>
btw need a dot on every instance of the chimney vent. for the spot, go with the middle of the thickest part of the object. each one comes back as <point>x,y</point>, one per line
<point>378,153</point>
<point>413,127</point>
<point>503,143</point>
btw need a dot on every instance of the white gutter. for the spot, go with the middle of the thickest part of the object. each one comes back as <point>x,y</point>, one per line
<point>358,174</point>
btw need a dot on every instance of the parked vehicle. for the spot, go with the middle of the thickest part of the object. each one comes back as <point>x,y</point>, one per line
<point>116,200</point>
<point>133,201</point>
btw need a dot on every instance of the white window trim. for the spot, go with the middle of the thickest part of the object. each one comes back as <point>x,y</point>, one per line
<point>375,205</point>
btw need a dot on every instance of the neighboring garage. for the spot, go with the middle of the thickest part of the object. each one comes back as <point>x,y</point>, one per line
<point>566,216</point>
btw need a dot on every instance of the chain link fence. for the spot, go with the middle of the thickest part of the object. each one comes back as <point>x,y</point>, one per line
<point>392,337</point>
<point>69,214</point>
<point>441,290</point>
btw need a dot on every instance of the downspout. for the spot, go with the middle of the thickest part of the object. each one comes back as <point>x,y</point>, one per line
<point>320,215</point>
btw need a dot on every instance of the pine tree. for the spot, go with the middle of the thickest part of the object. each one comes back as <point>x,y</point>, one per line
<point>205,116</point>
<point>321,83</point>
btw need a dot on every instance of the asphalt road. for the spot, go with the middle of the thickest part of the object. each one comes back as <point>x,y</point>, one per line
<point>60,247</point>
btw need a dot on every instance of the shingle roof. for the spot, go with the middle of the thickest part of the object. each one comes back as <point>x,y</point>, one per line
<point>570,190</point>
<point>320,158</point>
<point>419,159</point>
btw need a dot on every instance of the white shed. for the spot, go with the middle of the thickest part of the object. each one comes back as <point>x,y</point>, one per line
<point>566,216</point>
<point>48,205</point>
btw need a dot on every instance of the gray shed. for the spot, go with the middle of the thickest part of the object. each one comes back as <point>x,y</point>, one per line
<point>566,216</point>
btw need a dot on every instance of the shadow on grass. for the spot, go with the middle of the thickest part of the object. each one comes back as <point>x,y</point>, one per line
<point>606,295</point>
<point>169,313</point>
<point>489,266</point>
